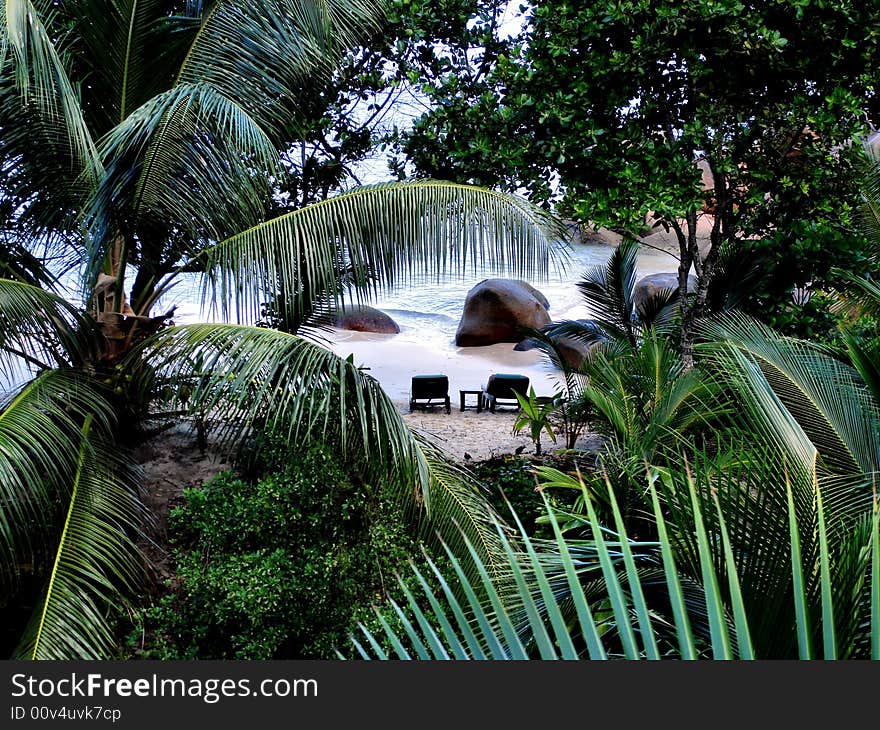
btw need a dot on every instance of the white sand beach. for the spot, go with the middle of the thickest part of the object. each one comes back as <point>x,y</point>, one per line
<point>428,318</point>
<point>425,345</point>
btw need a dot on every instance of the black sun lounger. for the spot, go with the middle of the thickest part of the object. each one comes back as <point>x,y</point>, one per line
<point>500,389</point>
<point>429,388</point>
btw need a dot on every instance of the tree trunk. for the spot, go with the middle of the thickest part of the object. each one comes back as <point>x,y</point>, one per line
<point>684,269</point>
<point>121,327</point>
<point>704,265</point>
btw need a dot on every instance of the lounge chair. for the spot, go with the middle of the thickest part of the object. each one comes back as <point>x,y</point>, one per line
<point>426,389</point>
<point>500,389</point>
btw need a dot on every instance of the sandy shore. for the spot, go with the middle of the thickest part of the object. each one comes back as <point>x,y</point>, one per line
<point>480,436</point>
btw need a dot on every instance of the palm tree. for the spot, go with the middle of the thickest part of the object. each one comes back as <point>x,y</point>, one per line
<point>618,328</point>
<point>141,139</point>
<point>609,291</point>
<point>786,476</point>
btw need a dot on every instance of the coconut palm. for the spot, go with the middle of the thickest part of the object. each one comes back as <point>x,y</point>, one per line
<point>140,140</point>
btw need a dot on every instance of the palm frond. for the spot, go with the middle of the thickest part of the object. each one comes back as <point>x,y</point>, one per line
<point>96,558</point>
<point>456,506</point>
<point>646,397</point>
<point>865,358</point>
<point>384,234</point>
<point>278,44</point>
<point>874,582</point>
<point>542,627</point>
<point>608,289</point>
<point>19,264</point>
<point>727,612</point>
<point>249,377</point>
<point>39,446</point>
<point>825,396</point>
<point>870,210</point>
<point>658,310</point>
<point>189,157</point>
<point>122,40</point>
<point>39,330</point>
<point>41,79</point>
<point>864,292</point>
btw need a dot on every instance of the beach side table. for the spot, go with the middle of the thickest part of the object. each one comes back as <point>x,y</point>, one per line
<point>462,395</point>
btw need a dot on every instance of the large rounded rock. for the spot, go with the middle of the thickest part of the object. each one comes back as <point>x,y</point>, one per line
<point>653,284</point>
<point>573,351</point>
<point>495,310</point>
<point>366,319</point>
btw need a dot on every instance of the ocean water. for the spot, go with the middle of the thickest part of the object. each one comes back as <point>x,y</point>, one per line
<point>428,314</point>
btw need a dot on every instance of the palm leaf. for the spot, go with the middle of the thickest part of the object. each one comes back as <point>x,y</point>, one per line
<point>673,583</point>
<point>249,377</point>
<point>608,289</point>
<point>870,211</point>
<point>720,635</point>
<point>616,591</point>
<point>385,234</point>
<point>40,330</point>
<point>456,506</point>
<point>865,358</point>
<point>95,559</point>
<point>805,649</point>
<point>278,44</point>
<point>123,39</point>
<point>740,616</point>
<point>587,628</point>
<point>490,618</point>
<point>39,447</point>
<point>27,49</point>
<point>826,397</point>
<point>864,292</point>
<point>545,602</point>
<point>875,583</point>
<point>188,155</point>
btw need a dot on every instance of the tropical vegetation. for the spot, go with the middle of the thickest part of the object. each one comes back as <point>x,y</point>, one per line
<point>733,514</point>
<point>731,508</point>
<point>127,164</point>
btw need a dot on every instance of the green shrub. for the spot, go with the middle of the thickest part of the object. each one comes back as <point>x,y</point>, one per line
<point>278,568</point>
<point>511,479</point>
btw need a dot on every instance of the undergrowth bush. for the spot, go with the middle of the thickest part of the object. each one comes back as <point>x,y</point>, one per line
<point>281,567</point>
<point>511,479</point>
